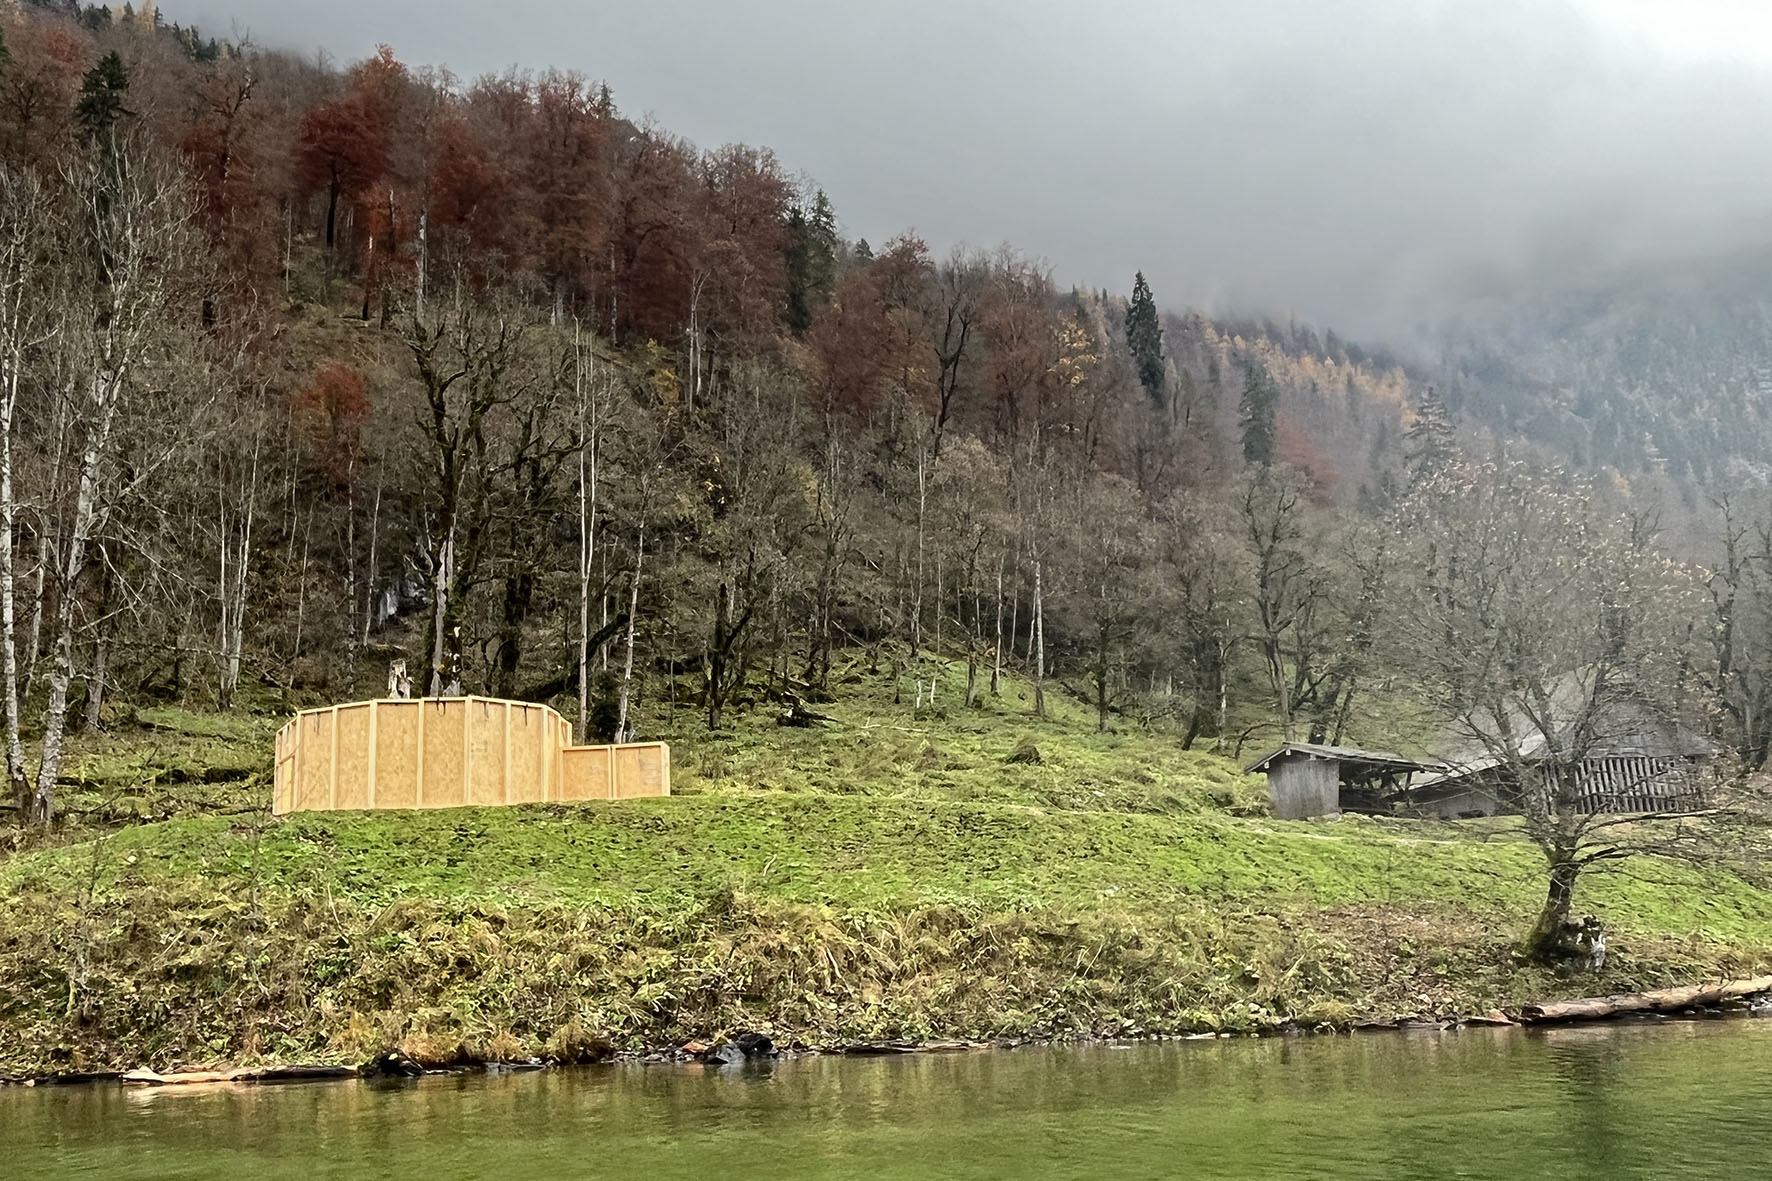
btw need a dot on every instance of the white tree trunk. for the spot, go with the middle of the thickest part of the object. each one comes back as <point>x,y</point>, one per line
<point>234,590</point>
<point>997,650</point>
<point>370,594</point>
<point>584,375</point>
<point>442,577</point>
<point>105,388</point>
<point>14,300</point>
<point>1039,637</point>
<point>418,295</point>
<point>623,729</point>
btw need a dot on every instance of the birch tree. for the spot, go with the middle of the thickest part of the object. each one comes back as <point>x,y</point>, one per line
<point>27,231</point>
<point>132,252</point>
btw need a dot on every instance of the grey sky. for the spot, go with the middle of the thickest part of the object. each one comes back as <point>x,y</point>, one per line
<point>1361,163</point>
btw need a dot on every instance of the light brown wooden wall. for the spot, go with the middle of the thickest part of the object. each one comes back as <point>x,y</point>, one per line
<point>451,752</point>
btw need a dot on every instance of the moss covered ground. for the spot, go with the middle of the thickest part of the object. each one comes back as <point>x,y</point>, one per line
<point>894,873</point>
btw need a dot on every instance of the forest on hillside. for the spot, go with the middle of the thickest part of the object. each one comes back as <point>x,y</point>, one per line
<point>308,371</point>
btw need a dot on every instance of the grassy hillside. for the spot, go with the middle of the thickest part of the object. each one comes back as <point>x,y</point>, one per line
<point>890,874</point>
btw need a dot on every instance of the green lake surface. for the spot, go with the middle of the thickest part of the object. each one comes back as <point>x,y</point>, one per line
<point>1670,1100</point>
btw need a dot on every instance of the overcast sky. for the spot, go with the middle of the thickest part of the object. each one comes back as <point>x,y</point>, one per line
<point>1358,163</point>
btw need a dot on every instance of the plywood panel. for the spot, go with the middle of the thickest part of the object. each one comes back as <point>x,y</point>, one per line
<point>352,788</point>
<point>396,754</point>
<point>486,747</point>
<point>441,785</point>
<point>313,780</point>
<point>532,732</point>
<point>283,772</point>
<point>636,772</point>
<point>586,773</point>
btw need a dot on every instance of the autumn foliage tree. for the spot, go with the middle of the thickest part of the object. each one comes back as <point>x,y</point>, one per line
<point>341,149</point>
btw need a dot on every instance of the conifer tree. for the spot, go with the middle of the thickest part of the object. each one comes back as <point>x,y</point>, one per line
<point>1430,446</point>
<point>1144,337</point>
<point>101,97</point>
<point>812,261</point>
<point>1255,413</point>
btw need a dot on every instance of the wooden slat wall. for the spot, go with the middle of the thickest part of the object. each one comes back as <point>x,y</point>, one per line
<point>439,753</point>
<point>1638,783</point>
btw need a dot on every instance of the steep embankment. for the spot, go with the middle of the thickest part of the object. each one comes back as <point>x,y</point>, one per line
<point>856,883</point>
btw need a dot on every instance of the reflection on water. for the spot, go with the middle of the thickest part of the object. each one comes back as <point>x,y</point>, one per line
<point>1666,1101</point>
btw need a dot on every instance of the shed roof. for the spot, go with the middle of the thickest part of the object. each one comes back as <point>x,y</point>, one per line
<point>1623,725</point>
<point>1381,760</point>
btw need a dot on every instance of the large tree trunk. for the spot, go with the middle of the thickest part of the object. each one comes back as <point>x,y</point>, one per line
<point>519,597</point>
<point>332,195</point>
<point>444,671</point>
<point>1547,941</point>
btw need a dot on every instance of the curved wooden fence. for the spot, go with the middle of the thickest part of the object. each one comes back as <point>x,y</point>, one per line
<point>452,752</point>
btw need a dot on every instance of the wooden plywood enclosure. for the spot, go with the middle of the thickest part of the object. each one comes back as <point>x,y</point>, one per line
<point>452,752</point>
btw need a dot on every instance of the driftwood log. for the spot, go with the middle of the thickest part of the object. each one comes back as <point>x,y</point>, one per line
<point>1664,1000</point>
<point>272,1074</point>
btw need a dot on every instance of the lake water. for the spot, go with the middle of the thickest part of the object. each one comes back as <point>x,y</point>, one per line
<point>1674,1100</point>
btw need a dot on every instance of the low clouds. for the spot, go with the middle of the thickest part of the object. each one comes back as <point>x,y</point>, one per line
<point>1370,164</point>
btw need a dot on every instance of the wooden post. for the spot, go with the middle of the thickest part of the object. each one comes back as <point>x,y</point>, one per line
<point>418,788</point>
<point>369,762</point>
<point>332,776</point>
<point>467,750</point>
<point>609,761</point>
<point>507,752</point>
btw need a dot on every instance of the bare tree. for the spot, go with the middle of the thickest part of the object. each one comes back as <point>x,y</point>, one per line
<point>464,363</point>
<point>1546,628</point>
<point>137,251</point>
<point>1292,589</point>
<point>27,232</point>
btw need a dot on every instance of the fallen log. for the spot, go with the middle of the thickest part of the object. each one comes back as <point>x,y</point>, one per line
<point>1664,1000</point>
<point>273,1074</point>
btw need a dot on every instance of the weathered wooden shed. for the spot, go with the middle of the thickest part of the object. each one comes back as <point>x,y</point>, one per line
<point>1310,779</point>
<point>1635,759</point>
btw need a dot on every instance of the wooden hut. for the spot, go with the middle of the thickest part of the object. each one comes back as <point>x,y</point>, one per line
<point>1635,758</point>
<point>1311,779</point>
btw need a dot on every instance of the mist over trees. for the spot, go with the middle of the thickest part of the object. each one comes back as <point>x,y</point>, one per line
<point>304,371</point>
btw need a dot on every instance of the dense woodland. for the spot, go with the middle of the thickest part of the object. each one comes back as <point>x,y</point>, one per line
<point>307,371</point>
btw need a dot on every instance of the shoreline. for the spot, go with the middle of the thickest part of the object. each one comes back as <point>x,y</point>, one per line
<point>1724,1001</point>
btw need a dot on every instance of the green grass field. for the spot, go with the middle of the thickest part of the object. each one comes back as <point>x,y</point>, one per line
<point>890,874</point>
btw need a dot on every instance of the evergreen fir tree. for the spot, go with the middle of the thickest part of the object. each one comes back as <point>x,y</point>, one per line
<point>864,253</point>
<point>101,97</point>
<point>1429,444</point>
<point>1255,413</point>
<point>1144,338</point>
<point>812,261</point>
